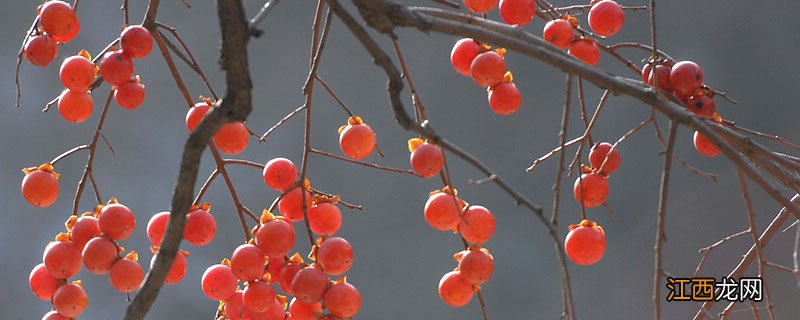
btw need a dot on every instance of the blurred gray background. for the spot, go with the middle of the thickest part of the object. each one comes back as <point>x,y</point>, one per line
<point>744,47</point>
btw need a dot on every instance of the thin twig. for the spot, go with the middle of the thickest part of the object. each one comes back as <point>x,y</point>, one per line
<point>95,188</point>
<point>163,48</point>
<point>232,190</point>
<point>68,153</point>
<point>582,104</point>
<point>260,16</point>
<point>125,15</point>
<point>654,51</point>
<point>19,57</point>
<point>318,37</point>
<point>600,105</point>
<point>249,213</point>
<point>205,187</point>
<point>659,136</point>
<point>642,46</point>
<point>335,97</point>
<point>774,137</point>
<point>610,211</point>
<point>707,250</point>
<point>794,256</point>
<point>724,96</point>
<point>613,53</point>
<point>108,144</point>
<point>191,62</point>
<point>780,267</point>
<point>246,163</point>
<point>588,131</point>
<point>622,139</point>
<point>586,7</point>
<point>283,120</point>
<point>751,219</point>
<point>560,175</point>
<point>419,107</point>
<point>562,136</point>
<point>549,8</point>
<point>748,258</point>
<point>662,214</point>
<point>87,170</point>
<point>342,202</point>
<point>366,164</point>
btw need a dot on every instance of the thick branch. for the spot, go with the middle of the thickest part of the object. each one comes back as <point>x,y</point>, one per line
<point>235,107</point>
<point>385,15</point>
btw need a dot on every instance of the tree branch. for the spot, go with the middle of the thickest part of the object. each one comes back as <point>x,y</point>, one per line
<point>235,107</point>
<point>662,214</point>
<point>394,88</point>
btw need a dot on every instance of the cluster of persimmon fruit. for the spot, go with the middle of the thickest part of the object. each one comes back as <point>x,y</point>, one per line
<point>444,211</point>
<point>247,284</point>
<point>91,240</point>
<point>58,23</point>
<point>585,243</point>
<point>263,265</point>
<point>488,68</point>
<point>684,81</point>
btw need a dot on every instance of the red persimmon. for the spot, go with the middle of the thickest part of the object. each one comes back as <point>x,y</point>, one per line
<point>130,95</point>
<point>57,18</point>
<point>488,68</point>
<point>77,73</point>
<point>686,77</point>
<point>586,50</point>
<point>585,243</point>
<point>606,18</point>
<point>40,50</point>
<point>454,290</point>
<point>464,51</point>
<point>75,106</point>
<point>591,189</point>
<point>559,32</point>
<point>598,154</point>
<point>517,12</point>
<point>705,146</point>
<point>504,98</point>
<point>116,67</point>
<point>480,6</point>
<point>40,186</point>
<point>136,42</point>
<point>232,138</point>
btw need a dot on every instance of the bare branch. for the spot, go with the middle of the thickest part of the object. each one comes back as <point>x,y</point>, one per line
<point>87,170</point>
<point>283,120</point>
<point>751,219</point>
<point>235,107</point>
<point>19,57</point>
<point>260,16</point>
<point>333,94</point>
<point>662,215</point>
<point>68,153</point>
<point>366,164</point>
<point>707,250</point>
<point>562,135</point>
<point>748,258</point>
